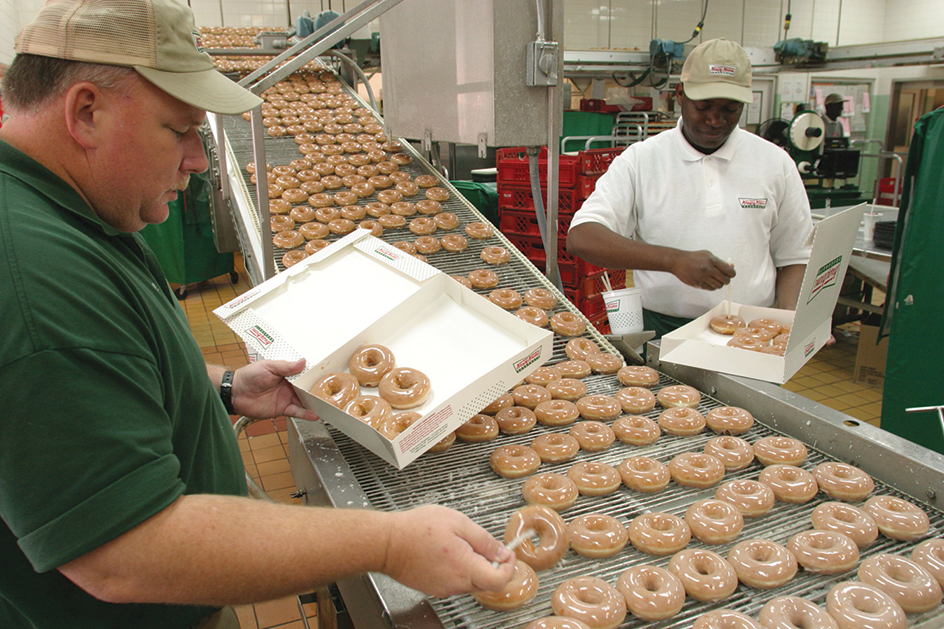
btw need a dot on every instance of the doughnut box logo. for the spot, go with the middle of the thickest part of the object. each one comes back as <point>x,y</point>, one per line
<point>809,348</point>
<point>752,204</point>
<point>263,337</point>
<point>522,364</point>
<point>387,253</point>
<point>242,299</point>
<point>722,69</point>
<point>425,427</point>
<point>825,277</point>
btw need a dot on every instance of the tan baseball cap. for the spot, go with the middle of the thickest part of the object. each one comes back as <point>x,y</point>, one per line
<point>718,68</point>
<point>833,98</point>
<point>158,38</point>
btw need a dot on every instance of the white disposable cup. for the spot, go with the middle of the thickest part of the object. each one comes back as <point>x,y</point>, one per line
<point>624,310</point>
<point>868,221</point>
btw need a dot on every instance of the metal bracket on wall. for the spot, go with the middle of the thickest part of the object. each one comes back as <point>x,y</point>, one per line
<point>482,143</point>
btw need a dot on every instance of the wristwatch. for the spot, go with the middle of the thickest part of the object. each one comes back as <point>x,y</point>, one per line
<point>226,391</point>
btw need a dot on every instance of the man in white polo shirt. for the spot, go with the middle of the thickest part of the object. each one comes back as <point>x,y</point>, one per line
<point>702,205</point>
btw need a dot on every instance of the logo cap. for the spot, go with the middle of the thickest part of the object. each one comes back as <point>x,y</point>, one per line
<point>158,38</point>
<point>718,68</point>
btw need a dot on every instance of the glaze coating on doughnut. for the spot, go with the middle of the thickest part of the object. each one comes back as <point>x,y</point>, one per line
<point>659,533</point>
<point>596,535</point>
<point>904,580</point>
<point>556,412</point>
<point>514,461</point>
<point>696,469</point>
<point>515,420</point>
<point>750,497</point>
<point>638,376</point>
<point>733,452</point>
<point>534,316</point>
<point>594,479</point>
<point>762,564</point>
<point>495,255</point>
<point>568,324</point>
<point>604,363</point>
<point>567,388</point>
<point>542,376</point>
<point>855,605</point>
<point>483,278</point>
<point>682,421</point>
<point>370,409</point>
<point>678,395</point>
<point>843,482</point>
<point>371,363</point>
<point>404,387</point>
<point>790,483</point>
<point>929,554</point>
<point>593,436</point>
<point>550,530</point>
<point>521,589</point>
<point>706,575</point>
<point>726,324</point>
<point>540,298</point>
<point>714,521</point>
<point>337,389</point>
<point>550,490</point>
<point>785,611</point>
<point>635,400</point>
<point>599,407</point>
<point>824,552</point>
<point>502,401</point>
<point>477,429</point>
<point>636,430</point>
<point>574,368</point>
<point>580,348</point>
<point>530,395</point>
<point>784,450</point>
<point>846,519</point>
<point>729,420</point>
<point>590,600</point>
<point>555,447</point>
<point>644,474</point>
<point>556,622</point>
<point>897,518</point>
<point>651,593</point>
<point>725,619</point>
<point>395,424</point>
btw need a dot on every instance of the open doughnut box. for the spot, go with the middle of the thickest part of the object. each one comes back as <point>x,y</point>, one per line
<point>697,345</point>
<point>361,290</point>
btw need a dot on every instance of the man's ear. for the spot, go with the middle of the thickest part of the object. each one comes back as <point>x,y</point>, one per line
<point>85,108</point>
<point>679,91</point>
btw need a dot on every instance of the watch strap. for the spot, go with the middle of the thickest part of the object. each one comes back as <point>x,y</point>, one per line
<point>226,391</point>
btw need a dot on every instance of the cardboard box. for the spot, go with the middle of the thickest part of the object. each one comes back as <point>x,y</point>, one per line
<point>360,290</point>
<point>696,345</point>
<point>870,357</point>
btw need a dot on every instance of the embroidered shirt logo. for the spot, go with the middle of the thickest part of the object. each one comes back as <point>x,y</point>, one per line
<point>722,69</point>
<point>198,41</point>
<point>825,277</point>
<point>752,204</point>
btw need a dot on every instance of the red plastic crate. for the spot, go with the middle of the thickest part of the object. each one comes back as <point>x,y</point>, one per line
<point>519,198</point>
<point>596,161</point>
<point>593,284</point>
<point>591,307</point>
<point>601,323</point>
<point>586,184</point>
<point>513,167</point>
<point>572,269</point>
<point>526,223</point>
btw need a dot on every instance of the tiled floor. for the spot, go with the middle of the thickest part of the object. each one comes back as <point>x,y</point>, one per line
<point>826,378</point>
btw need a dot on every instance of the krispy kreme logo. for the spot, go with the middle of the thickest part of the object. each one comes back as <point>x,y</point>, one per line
<point>241,299</point>
<point>752,204</point>
<point>261,335</point>
<point>825,277</point>
<point>197,41</point>
<point>612,306</point>
<point>527,360</point>
<point>387,253</point>
<point>722,69</point>
<point>809,348</point>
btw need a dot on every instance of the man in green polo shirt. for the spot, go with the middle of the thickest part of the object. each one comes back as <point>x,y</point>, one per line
<point>122,495</point>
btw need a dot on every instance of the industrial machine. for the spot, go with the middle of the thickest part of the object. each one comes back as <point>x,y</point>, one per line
<point>827,165</point>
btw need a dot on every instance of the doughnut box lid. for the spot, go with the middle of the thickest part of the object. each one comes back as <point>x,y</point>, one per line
<point>697,345</point>
<point>361,290</point>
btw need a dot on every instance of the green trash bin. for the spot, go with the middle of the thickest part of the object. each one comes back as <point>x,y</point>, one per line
<point>482,195</point>
<point>184,244</point>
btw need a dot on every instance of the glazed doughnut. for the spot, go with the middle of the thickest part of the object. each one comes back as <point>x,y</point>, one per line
<point>843,482</point>
<point>437,194</point>
<point>280,223</point>
<point>645,475</point>
<point>275,191</point>
<point>427,245</point>
<point>426,181</point>
<point>556,412</point>
<point>750,497</point>
<point>314,246</point>
<point>678,395</point>
<point>555,491</point>
<point>446,220</point>
<point>792,611</point>
<point>635,400</point>
<point>387,167</point>
<point>530,395</point>
<point>302,214</point>
<point>651,593</point>
<point>659,533</point>
<point>294,195</point>
<point>391,221</point>
<point>596,535</point>
<point>762,564</point>
<point>337,389</point>
<point>594,479</point>
<point>514,461</point>
<point>341,226</point>
<point>696,469</point>
<point>363,189</point>
<point>785,450</point>
<point>682,421</point>
<point>462,280</point>
<point>505,298</point>
<point>353,212</point>
<point>477,429</point>
<point>396,424</point>
<point>851,521</point>
<point>593,436</point>
<point>534,316</point>
<point>824,552</point>
<point>427,207</point>
<point>377,209</point>
<point>371,363</point>
<point>733,452</point>
<point>790,483</point>
<point>729,420</point>
<point>286,181</point>
<point>636,430</point>
<point>376,229</point>
<point>382,182</point>
<point>855,605</point>
<point>540,298</point>
<point>604,363</point>
<point>637,376</point>
<point>767,324</point>
<point>555,447</point>
<point>444,444</point>
<point>311,187</point>
<point>590,600</point>
<point>405,245</point>
<point>726,324</point>
<point>580,349</point>
<point>515,420</point>
<point>543,376</point>
<point>401,159</point>
<point>493,255</point>
<point>599,407</point>
<point>454,243</point>
<point>897,518</point>
<point>568,324</point>
<point>478,231</point>
<point>502,401</point>
<point>370,409</point>
<point>333,182</point>
<point>550,530</point>
<point>929,554</point>
<point>904,580</point>
<point>483,278</point>
<point>291,258</point>
<point>566,388</point>
<point>714,521</point>
<point>279,206</point>
<point>556,622</point>
<point>288,239</point>
<point>404,387</point>
<point>390,197</point>
<point>748,343</point>
<point>705,575</point>
<point>725,619</point>
<point>764,335</point>
<point>521,589</point>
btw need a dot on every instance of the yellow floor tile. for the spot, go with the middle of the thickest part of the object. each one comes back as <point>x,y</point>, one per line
<point>264,441</point>
<point>277,612</point>
<point>278,481</point>
<point>277,466</point>
<point>265,455</point>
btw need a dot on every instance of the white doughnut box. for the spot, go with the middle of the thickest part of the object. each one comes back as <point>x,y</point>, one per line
<point>697,345</point>
<point>361,290</point>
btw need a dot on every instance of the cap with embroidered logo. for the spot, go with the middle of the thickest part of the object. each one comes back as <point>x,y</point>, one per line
<point>158,38</point>
<point>718,68</point>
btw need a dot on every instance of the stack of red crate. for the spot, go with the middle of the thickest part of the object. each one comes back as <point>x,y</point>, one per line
<point>582,281</point>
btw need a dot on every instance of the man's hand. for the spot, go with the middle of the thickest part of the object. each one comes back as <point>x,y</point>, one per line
<point>442,552</point>
<point>702,269</point>
<point>260,390</point>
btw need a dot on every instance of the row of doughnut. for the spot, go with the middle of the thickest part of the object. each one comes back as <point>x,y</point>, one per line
<point>760,335</point>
